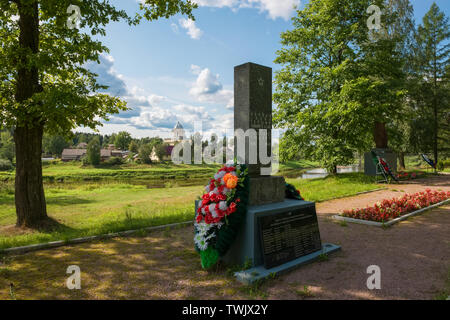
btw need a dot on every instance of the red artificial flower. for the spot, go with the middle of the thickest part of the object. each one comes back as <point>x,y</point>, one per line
<point>214,198</point>
<point>222,197</point>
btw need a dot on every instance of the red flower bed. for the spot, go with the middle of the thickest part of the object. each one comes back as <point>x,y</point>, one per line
<point>391,209</point>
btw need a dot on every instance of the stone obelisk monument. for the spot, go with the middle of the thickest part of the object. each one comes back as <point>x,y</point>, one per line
<point>278,234</point>
<point>253,110</point>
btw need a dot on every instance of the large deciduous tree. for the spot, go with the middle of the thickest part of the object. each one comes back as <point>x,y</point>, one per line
<point>338,86</point>
<point>44,84</point>
<point>433,59</point>
<point>122,140</point>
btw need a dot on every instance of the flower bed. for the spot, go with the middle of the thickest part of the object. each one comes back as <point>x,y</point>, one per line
<point>390,209</point>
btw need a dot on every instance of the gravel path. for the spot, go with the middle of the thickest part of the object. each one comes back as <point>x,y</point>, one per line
<point>414,258</point>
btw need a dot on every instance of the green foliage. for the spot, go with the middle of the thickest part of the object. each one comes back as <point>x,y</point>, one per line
<point>122,140</point>
<point>6,146</point>
<point>93,154</point>
<point>114,161</point>
<point>133,147</point>
<point>54,144</point>
<point>432,80</point>
<point>145,152</point>
<point>336,82</point>
<point>5,165</point>
<point>161,151</point>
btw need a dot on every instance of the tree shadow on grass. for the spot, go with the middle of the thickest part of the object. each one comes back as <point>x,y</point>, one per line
<point>162,265</point>
<point>67,200</point>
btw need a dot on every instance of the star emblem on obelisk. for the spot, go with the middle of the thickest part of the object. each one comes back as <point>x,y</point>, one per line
<point>261,81</point>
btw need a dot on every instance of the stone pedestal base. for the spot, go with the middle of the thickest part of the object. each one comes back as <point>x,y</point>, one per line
<point>247,247</point>
<point>388,155</point>
<point>266,190</point>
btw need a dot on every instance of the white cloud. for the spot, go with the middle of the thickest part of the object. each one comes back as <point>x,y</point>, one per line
<point>208,88</point>
<point>174,28</point>
<point>157,114</point>
<point>195,69</point>
<point>192,30</point>
<point>275,8</point>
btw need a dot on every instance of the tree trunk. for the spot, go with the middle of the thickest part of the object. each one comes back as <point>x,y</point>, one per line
<point>334,170</point>
<point>29,190</point>
<point>401,160</point>
<point>380,135</point>
<point>30,199</point>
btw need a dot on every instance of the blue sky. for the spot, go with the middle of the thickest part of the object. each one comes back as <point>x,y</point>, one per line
<point>178,70</point>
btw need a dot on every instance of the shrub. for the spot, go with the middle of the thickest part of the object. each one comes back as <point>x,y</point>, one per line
<point>93,152</point>
<point>85,161</point>
<point>440,166</point>
<point>114,161</point>
<point>446,163</point>
<point>6,165</point>
<point>145,152</point>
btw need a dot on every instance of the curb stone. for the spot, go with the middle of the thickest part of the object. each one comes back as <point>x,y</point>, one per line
<point>61,243</point>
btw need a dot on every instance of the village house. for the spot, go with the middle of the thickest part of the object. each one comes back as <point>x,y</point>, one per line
<point>81,150</point>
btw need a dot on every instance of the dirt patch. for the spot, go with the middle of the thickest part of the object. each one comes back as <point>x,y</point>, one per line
<point>414,257</point>
<point>15,231</point>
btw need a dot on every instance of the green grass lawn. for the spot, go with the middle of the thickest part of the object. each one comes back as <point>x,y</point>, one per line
<point>92,209</point>
<point>84,209</point>
<point>76,172</point>
<point>332,187</point>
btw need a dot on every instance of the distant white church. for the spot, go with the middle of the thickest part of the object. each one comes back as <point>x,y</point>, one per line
<point>178,135</point>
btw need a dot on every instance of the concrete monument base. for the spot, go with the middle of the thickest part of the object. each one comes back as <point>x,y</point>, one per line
<point>247,248</point>
<point>266,190</point>
<point>256,273</point>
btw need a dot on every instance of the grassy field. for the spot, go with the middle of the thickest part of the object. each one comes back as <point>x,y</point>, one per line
<point>76,172</point>
<point>331,187</point>
<point>84,209</point>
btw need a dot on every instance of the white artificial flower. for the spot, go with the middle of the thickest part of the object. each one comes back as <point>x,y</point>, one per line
<point>212,209</point>
<point>207,188</point>
<point>223,205</point>
<point>219,175</point>
<point>203,228</point>
<point>200,241</point>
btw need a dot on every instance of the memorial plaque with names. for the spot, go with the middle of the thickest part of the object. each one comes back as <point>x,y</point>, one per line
<point>288,236</point>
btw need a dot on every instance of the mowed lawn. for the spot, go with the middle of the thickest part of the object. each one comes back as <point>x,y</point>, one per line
<point>331,187</point>
<point>92,209</point>
<point>85,209</point>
